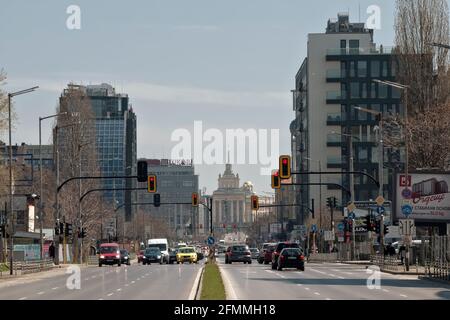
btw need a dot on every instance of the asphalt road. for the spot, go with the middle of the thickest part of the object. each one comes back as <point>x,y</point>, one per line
<point>328,281</point>
<point>135,282</point>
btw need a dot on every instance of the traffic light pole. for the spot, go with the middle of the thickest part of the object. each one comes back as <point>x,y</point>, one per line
<point>340,173</point>
<point>323,184</point>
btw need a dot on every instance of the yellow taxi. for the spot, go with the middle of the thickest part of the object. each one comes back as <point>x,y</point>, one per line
<point>186,254</point>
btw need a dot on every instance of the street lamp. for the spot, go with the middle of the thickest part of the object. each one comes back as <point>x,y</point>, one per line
<point>11,236</point>
<point>41,204</point>
<point>320,199</point>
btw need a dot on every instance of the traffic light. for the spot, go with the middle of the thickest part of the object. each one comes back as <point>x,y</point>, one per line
<point>285,167</point>
<point>276,181</point>
<point>255,203</point>
<point>151,184</point>
<point>142,171</point>
<point>157,200</point>
<point>329,203</point>
<point>334,202</point>
<point>61,228</point>
<point>68,230</point>
<point>377,227</point>
<point>195,199</point>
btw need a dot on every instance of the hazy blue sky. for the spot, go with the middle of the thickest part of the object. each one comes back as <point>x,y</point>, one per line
<point>228,63</point>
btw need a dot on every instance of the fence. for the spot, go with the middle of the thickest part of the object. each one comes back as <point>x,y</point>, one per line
<point>26,267</point>
<point>435,253</point>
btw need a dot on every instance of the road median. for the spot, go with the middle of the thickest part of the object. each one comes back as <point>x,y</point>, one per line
<point>212,286</point>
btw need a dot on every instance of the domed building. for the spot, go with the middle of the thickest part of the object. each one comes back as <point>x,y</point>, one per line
<point>232,207</point>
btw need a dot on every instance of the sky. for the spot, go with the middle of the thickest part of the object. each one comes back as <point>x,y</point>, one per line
<point>230,64</point>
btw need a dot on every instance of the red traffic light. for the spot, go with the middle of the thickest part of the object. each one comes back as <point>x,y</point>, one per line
<point>151,184</point>
<point>195,199</point>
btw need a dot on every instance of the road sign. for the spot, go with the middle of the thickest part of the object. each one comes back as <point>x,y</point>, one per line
<point>405,227</point>
<point>341,227</point>
<point>403,182</point>
<point>328,235</point>
<point>381,210</point>
<point>407,209</point>
<point>351,207</point>
<point>407,193</point>
<point>380,201</point>
<point>352,215</point>
<point>211,241</point>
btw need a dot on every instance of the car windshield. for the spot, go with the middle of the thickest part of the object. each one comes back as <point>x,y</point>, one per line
<point>152,251</point>
<point>108,249</point>
<point>123,252</point>
<point>160,246</point>
<point>291,252</point>
<point>240,248</point>
<point>253,250</point>
<point>186,250</point>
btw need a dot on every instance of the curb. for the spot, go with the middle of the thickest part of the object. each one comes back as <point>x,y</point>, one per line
<point>194,295</point>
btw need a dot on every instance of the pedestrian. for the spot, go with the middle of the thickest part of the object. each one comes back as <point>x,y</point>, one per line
<point>402,252</point>
<point>51,251</point>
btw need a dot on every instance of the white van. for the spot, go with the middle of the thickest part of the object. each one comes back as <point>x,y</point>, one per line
<point>163,246</point>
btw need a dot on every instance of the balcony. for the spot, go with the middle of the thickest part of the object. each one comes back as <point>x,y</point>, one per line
<point>334,75</point>
<point>337,52</point>
<point>334,140</point>
<point>334,161</point>
<point>335,96</point>
<point>334,119</point>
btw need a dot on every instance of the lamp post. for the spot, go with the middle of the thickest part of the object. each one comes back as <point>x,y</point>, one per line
<point>405,90</point>
<point>320,198</point>
<point>41,204</point>
<point>11,235</point>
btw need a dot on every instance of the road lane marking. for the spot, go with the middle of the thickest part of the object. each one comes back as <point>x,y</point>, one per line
<point>119,290</point>
<point>317,294</point>
<point>299,284</point>
<point>126,284</point>
<point>307,289</point>
<point>110,294</point>
<point>55,288</point>
<point>404,296</point>
<point>385,290</point>
<point>328,299</point>
<point>40,293</point>
<point>339,277</point>
<point>23,298</point>
<point>132,282</point>
<point>193,292</point>
<point>100,298</point>
<point>349,273</point>
<point>321,272</point>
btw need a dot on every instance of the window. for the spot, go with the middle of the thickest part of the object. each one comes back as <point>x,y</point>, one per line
<point>384,69</point>
<point>362,69</point>
<point>375,68</point>
<point>352,69</point>
<point>363,90</point>
<point>363,154</point>
<point>343,46</point>
<point>354,90</point>
<point>382,91</point>
<point>343,69</point>
<point>354,46</point>
<point>373,90</point>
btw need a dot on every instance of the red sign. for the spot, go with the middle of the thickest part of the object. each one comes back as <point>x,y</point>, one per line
<point>403,181</point>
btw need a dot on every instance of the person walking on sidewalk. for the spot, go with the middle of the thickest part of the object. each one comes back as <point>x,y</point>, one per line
<point>51,251</point>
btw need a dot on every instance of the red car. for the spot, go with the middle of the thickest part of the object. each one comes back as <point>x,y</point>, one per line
<point>265,255</point>
<point>109,254</point>
<point>140,256</point>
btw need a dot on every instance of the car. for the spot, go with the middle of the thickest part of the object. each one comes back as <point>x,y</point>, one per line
<point>291,258</point>
<point>187,254</point>
<point>254,253</point>
<point>238,253</point>
<point>124,257</point>
<point>172,255</point>
<point>163,246</point>
<point>152,254</point>
<point>109,254</point>
<point>265,255</point>
<point>140,256</point>
<point>279,247</point>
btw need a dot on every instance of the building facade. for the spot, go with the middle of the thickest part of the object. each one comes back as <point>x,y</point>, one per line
<point>231,203</point>
<point>176,181</point>
<point>334,80</point>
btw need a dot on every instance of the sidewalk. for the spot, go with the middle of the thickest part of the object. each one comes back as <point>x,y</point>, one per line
<point>413,270</point>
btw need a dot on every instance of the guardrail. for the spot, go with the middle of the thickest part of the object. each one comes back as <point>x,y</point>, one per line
<point>26,267</point>
<point>93,260</point>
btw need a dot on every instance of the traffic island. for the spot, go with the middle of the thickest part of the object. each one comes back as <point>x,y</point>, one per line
<point>212,287</point>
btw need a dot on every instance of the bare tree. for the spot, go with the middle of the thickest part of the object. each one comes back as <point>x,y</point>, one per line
<point>420,23</point>
<point>3,104</point>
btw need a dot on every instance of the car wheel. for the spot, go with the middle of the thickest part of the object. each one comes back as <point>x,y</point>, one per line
<point>266,262</point>
<point>100,265</point>
<point>119,264</point>
<point>249,262</point>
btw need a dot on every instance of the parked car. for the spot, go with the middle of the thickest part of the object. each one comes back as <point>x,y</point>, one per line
<point>238,253</point>
<point>109,254</point>
<point>124,257</point>
<point>254,253</point>
<point>140,256</point>
<point>279,247</point>
<point>172,255</point>
<point>291,258</point>
<point>152,254</point>
<point>186,254</point>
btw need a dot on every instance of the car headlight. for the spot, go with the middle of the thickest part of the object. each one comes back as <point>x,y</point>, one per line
<point>126,257</point>
<point>102,257</point>
<point>158,257</point>
<point>117,256</point>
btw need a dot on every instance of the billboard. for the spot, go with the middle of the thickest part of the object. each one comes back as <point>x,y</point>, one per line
<point>427,193</point>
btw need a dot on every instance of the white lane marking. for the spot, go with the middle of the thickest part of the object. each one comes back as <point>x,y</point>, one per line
<point>404,296</point>
<point>349,273</point>
<point>110,294</point>
<point>119,290</point>
<point>332,275</point>
<point>328,299</point>
<point>300,285</point>
<point>307,289</point>
<point>269,271</point>
<point>317,294</point>
<point>385,290</point>
<point>23,298</point>
<point>40,293</point>
<point>126,284</point>
<point>339,277</point>
<point>321,272</point>
<point>228,286</point>
<point>55,288</point>
<point>132,282</point>
<point>336,270</point>
<point>195,286</point>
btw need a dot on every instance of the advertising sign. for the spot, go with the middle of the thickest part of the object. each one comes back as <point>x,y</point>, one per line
<point>429,197</point>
